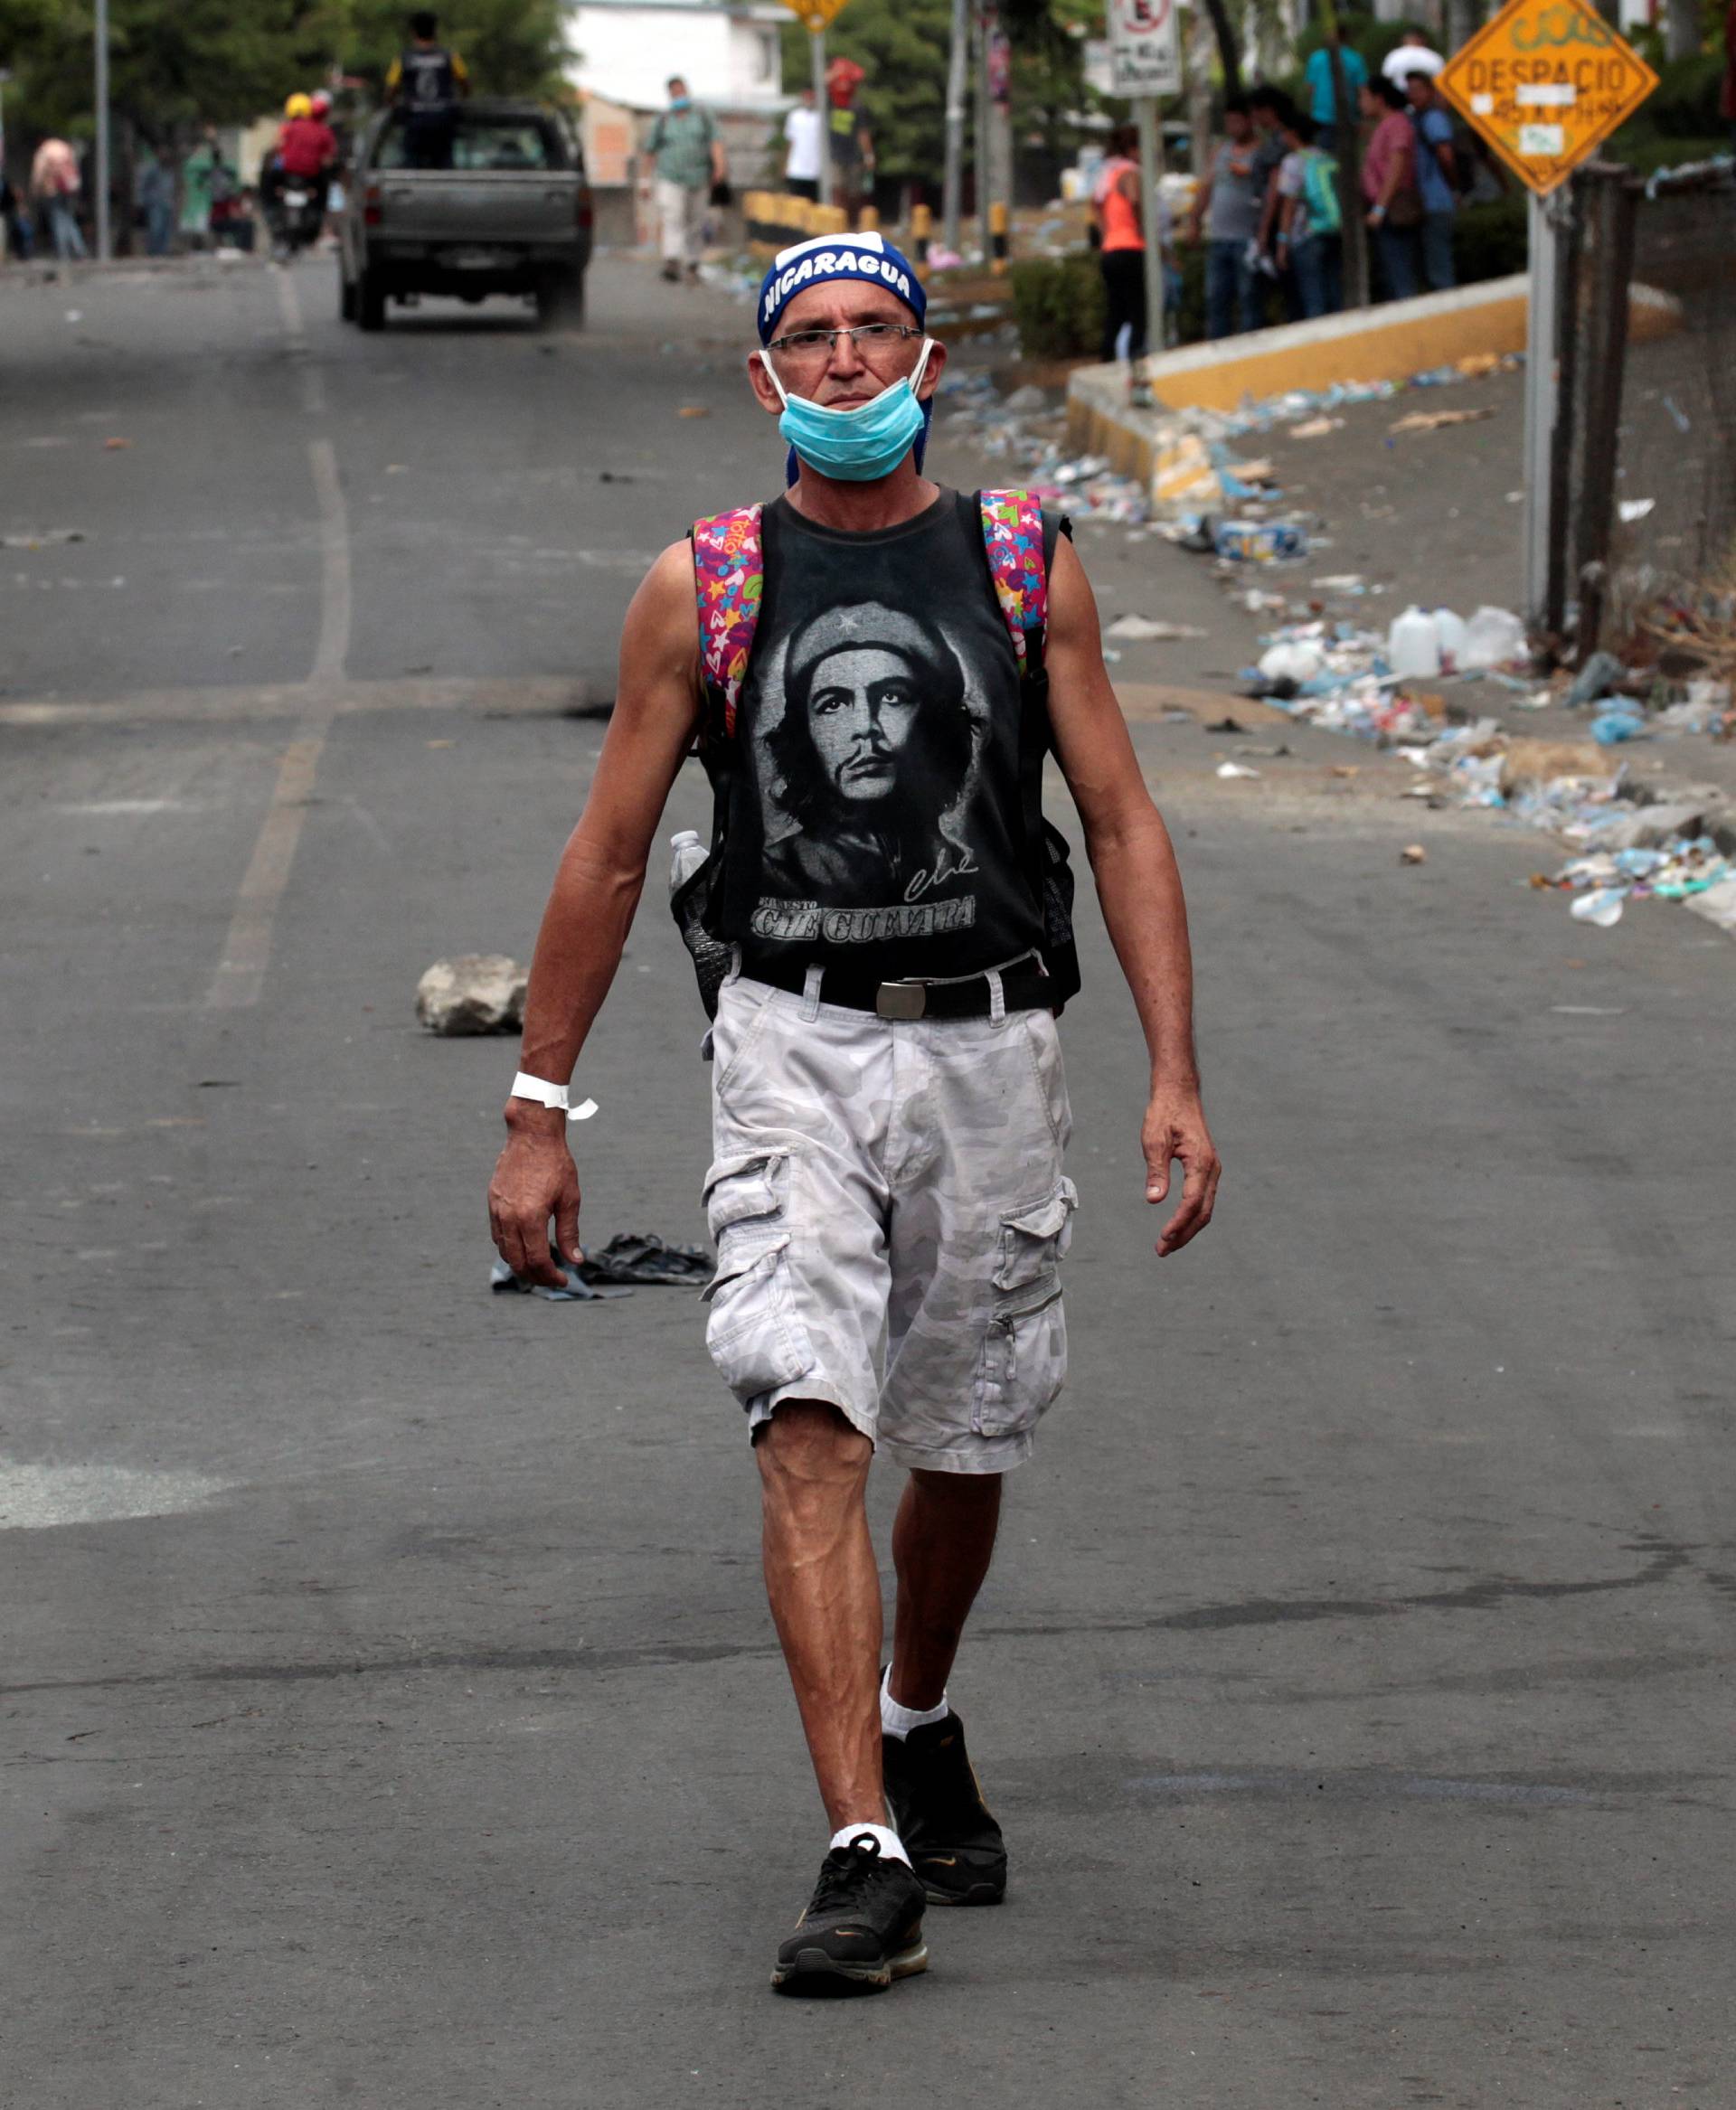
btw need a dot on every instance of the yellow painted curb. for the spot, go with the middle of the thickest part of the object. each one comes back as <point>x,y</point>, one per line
<point>1366,344</point>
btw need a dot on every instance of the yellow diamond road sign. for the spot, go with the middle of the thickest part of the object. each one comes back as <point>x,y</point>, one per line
<point>814,14</point>
<point>1545,84</point>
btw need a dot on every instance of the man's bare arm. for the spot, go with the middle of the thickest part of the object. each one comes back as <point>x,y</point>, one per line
<point>597,887</point>
<point>1140,889</point>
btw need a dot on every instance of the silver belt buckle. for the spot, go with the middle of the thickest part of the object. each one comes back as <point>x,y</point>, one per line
<point>900,1000</point>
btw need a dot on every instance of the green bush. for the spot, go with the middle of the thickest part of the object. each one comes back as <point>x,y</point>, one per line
<point>1058,306</point>
<point>1491,241</point>
<point>1684,104</point>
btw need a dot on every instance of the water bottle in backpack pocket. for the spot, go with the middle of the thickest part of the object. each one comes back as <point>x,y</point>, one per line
<point>690,878</point>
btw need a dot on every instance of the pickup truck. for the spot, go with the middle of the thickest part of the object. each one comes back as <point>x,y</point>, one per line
<point>512,215</point>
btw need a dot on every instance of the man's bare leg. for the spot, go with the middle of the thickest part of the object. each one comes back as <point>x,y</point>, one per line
<point>824,1593</point>
<point>942,1543</point>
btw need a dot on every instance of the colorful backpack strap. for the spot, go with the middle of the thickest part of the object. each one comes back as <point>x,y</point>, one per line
<point>1013,538</point>
<point>728,576</point>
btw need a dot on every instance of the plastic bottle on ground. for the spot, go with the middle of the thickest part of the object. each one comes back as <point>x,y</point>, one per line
<point>1413,647</point>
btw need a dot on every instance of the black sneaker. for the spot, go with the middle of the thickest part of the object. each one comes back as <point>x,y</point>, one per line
<point>863,1925</point>
<point>955,1845</point>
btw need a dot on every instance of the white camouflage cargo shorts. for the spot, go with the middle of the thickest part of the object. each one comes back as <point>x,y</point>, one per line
<point>888,1195</point>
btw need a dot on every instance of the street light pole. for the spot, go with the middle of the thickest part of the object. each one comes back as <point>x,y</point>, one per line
<point>957,67</point>
<point>104,233</point>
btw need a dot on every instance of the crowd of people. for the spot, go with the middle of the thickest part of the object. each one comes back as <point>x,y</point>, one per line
<point>198,200</point>
<point>1267,205</point>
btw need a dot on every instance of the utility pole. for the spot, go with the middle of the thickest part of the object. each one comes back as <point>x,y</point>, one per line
<point>104,233</point>
<point>958,69</point>
<point>985,150</point>
<point>816,38</point>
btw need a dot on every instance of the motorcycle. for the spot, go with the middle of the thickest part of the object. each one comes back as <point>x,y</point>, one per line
<point>297,210</point>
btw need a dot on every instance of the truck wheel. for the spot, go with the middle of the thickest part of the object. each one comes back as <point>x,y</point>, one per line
<point>371,302</point>
<point>346,302</point>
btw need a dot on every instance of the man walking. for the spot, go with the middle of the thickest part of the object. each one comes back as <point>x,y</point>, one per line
<point>1227,204</point>
<point>55,183</point>
<point>872,693</point>
<point>686,157</point>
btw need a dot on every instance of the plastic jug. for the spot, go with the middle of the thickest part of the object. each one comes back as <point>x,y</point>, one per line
<point>1452,632</point>
<point>1413,647</point>
<point>1494,638</point>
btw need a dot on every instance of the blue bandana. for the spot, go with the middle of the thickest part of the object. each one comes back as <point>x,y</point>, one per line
<point>862,259</point>
<point>865,260</point>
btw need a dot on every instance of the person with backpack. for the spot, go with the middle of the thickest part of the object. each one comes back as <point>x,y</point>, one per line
<point>1437,180</point>
<point>873,669</point>
<point>1310,240</point>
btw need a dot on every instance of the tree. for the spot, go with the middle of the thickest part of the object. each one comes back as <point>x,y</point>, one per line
<point>178,65</point>
<point>174,65</point>
<point>1228,45</point>
<point>901,47</point>
<point>512,47</point>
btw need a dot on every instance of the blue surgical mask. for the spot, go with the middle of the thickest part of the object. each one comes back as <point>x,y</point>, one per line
<point>855,446</point>
<point>679,102</point>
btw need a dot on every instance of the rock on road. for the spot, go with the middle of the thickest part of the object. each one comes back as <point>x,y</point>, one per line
<point>391,1714</point>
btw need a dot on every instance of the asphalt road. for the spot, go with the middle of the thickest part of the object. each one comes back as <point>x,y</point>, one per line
<point>391,1712</point>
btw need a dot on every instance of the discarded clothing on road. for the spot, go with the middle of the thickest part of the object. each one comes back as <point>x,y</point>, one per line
<point>629,1256</point>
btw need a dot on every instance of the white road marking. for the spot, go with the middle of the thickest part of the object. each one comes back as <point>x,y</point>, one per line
<point>334,598</point>
<point>33,1498</point>
<point>247,951</point>
<point>313,382</point>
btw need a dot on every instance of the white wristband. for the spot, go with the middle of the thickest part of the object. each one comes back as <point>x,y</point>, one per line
<point>526,1087</point>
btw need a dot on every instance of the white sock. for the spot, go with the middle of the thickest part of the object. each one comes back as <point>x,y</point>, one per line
<point>891,1847</point>
<point>898,1722</point>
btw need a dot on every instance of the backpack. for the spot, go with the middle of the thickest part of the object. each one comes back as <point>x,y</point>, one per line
<point>1320,193</point>
<point>729,581</point>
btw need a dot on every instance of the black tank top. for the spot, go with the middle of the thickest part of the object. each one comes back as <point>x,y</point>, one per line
<point>430,81</point>
<point>883,813</point>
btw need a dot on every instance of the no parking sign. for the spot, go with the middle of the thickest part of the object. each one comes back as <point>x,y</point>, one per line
<point>1145,48</point>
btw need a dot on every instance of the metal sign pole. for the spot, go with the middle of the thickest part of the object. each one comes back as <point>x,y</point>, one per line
<point>103,231</point>
<point>817,37</point>
<point>1151,169</point>
<point>1540,403</point>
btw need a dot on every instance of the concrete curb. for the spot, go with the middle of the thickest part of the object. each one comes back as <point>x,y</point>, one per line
<point>50,270</point>
<point>1390,342</point>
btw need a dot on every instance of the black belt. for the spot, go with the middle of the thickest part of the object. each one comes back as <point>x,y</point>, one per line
<point>1023,987</point>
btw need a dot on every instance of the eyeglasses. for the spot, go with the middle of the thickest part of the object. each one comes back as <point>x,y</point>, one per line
<point>865,338</point>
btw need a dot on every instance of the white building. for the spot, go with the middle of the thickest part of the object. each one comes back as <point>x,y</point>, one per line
<point>727,53</point>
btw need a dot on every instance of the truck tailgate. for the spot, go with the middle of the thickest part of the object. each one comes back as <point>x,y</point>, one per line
<point>475,207</point>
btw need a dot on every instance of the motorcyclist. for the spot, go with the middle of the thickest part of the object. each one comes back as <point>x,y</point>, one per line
<point>305,149</point>
<point>306,144</point>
